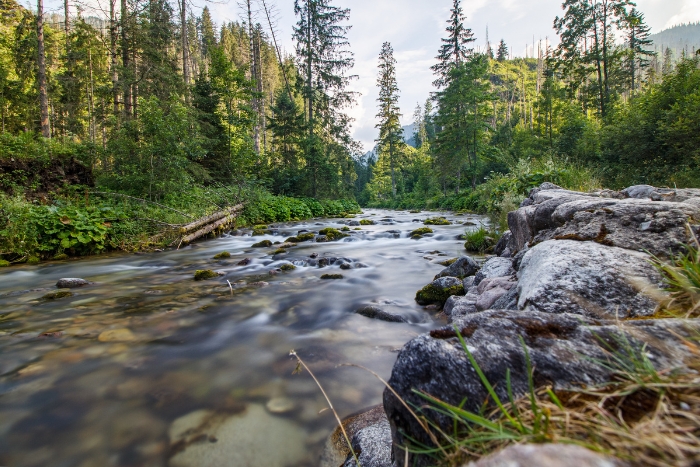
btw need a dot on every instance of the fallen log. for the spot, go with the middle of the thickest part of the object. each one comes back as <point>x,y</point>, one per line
<point>208,229</point>
<point>209,219</point>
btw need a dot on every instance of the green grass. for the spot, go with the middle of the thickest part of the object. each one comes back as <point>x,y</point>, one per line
<point>681,276</point>
<point>480,240</point>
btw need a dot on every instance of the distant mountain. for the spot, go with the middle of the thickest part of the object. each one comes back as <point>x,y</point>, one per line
<point>408,136</point>
<point>683,37</point>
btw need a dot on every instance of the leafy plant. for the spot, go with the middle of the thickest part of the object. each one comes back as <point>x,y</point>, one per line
<point>682,278</point>
<point>480,240</point>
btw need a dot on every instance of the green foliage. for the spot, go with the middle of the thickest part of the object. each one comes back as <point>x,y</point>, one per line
<point>480,240</point>
<point>682,278</point>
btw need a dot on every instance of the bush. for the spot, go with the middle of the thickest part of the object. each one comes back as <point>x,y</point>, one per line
<point>480,241</point>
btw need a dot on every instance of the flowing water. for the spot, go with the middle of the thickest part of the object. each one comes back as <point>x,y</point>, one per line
<point>127,370</point>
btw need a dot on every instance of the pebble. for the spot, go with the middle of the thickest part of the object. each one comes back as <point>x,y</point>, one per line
<point>280,405</point>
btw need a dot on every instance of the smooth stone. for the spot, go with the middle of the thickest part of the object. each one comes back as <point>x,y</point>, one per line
<point>546,455</point>
<point>280,405</point>
<point>71,283</point>
<point>374,312</point>
<point>116,335</point>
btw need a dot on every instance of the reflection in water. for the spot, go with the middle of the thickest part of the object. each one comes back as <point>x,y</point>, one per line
<point>141,367</point>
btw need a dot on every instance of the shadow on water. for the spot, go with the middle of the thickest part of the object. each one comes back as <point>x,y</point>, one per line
<point>114,374</point>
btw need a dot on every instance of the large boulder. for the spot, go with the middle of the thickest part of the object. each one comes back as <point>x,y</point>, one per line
<point>464,266</point>
<point>494,267</point>
<point>565,352</point>
<point>492,289</point>
<point>586,278</point>
<point>546,455</point>
<point>459,306</point>
<point>439,291</point>
<point>370,437</point>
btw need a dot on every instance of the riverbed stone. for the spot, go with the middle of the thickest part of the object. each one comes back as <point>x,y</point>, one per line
<point>251,437</point>
<point>374,312</point>
<point>586,278</point>
<point>494,267</point>
<point>117,335</point>
<point>546,455</point>
<point>462,267</point>
<point>459,306</point>
<point>71,283</point>
<point>439,290</point>
<point>564,351</point>
<point>492,289</point>
<point>370,436</point>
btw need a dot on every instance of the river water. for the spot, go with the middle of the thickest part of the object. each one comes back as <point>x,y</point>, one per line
<point>146,367</point>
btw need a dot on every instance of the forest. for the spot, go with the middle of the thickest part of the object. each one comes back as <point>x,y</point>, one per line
<point>113,127</point>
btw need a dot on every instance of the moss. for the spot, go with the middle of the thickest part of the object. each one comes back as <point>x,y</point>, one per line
<point>332,234</point>
<point>480,241</point>
<point>204,274</point>
<point>357,228</point>
<point>304,237</point>
<point>263,244</point>
<point>437,221</point>
<point>223,255</point>
<point>57,295</point>
<point>279,251</point>
<point>4,264</point>
<point>414,211</point>
<point>288,267</point>
<point>258,232</point>
<point>345,229</point>
<point>431,294</point>
<point>260,227</point>
<point>61,257</point>
<point>33,260</point>
<point>332,276</point>
<point>418,233</point>
<point>448,262</point>
<point>292,240</point>
<point>367,222</point>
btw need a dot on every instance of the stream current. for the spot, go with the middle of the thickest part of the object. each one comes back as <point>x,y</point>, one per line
<point>146,367</point>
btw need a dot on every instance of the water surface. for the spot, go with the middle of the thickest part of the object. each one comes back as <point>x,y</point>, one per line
<point>107,376</point>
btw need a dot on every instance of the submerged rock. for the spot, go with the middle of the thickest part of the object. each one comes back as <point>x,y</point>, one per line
<point>71,283</point>
<point>262,244</point>
<point>464,266</point>
<point>374,312</point>
<point>222,255</point>
<point>205,274</point>
<point>332,276</point>
<point>439,290</point>
<point>57,295</point>
<point>252,437</point>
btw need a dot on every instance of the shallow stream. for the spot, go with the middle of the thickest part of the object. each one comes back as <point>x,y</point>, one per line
<point>133,369</point>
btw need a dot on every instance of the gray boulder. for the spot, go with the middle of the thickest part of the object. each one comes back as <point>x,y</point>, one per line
<point>457,306</point>
<point>503,242</point>
<point>492,289</point>
<point>370,437</point>
<point>375,312</point>
<point>586,278</point>
<point>463,267</point>
<point>439,291</point>
<point>639,191</point>
<point>564,351</point>
<point>494,267</point>
<point>71,283</point>
<point>546,455</point>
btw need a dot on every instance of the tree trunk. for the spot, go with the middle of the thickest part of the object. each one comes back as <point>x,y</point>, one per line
<point>126,61</point>
<point>113,54</point>
<point>185,49</point>
<point>254,76</point>
<point>41,72</point>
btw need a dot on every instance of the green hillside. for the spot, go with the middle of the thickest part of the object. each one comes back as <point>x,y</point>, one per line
<point>678,38</point>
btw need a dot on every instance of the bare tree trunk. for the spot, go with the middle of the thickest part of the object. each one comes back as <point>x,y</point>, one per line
<point>185,49</point>
<point>41,74</point>
<point>254,75</point>
<point>66,20</point>
<point>126,60</point>
<point>113,54</point>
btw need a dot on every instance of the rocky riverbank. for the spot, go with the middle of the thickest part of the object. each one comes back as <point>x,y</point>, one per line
<point>570,281</point>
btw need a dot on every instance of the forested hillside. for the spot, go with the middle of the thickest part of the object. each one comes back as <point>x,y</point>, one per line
<point>185,116</point>
<point>683,38</point>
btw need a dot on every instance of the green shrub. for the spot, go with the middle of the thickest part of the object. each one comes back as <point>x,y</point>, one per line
<point>4,264</point>
<point>480,240</point>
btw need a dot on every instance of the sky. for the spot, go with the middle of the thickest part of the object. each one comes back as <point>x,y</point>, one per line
<point>415,27</point>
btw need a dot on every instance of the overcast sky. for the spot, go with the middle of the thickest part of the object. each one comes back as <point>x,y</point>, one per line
<point>414,28</point>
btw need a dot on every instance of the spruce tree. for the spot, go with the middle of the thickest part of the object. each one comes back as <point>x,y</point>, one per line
<point>455,47</point>
<point>390,138</point>
<point>502,52</point>
<point>638,44</point>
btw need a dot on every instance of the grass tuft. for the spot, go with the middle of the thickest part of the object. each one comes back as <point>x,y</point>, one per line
<point>480,241</point>
<point>681,276</point>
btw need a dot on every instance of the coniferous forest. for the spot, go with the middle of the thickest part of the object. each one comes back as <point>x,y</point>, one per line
<point>149,115</point>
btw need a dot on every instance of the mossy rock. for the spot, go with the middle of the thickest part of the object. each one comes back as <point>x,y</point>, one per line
<point>223,255</point>
<point>414,211</point>
<point>418,233</point>
<point>4,264</point>
<point>435,293</point>
<point>258,232</point>
<point>367,222</point>
<point>437,221</point>
<point>204,274</point>
<point>345,229</point>
<point>260,227</point>
<point>448,262</point>
<point>288,267</point>
<point>305,237</point>
<point>33,260</point>
<point>57,295</point>
<point>279,251</point>
<point>292,240</point>
<point>263,244</point>
<point>357,228</point>
<point>332,276</point>
<point>333,234</point>
<point>61,257</point>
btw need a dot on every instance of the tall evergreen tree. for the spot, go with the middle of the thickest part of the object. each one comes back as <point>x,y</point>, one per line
<point>390,133</point>
<point>502,52</point>
<point>638,44</point>
<point>455,47</point>
<point>41,72</point>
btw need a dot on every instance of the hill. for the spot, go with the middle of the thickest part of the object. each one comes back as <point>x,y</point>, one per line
<point>678,38</point>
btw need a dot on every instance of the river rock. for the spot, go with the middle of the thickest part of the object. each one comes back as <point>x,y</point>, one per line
<point>491,289</point>
<point>71,283</point>
<point>586,278</point>
<point>546,455</point>
<point>375,312</point>
<point>252,437</point>
<point>464,266</point>
<point>439,291</point>
<point>458,306</point>
<point>370,436</point>
<point>494,267</point>
<point>563,349</point>
<point>503,243</point>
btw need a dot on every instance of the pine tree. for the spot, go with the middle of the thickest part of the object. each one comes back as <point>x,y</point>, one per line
<point>390,133</point>
<point>455,48</point>
<point>502,53</point>
<point>638,43</point>
<point>41,72</point>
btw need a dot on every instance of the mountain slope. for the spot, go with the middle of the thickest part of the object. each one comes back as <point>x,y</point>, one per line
<point>678,38</point>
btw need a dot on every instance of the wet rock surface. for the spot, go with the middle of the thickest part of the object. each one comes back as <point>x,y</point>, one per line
<point>71,283</point>
<point>370,437</point>
<point>462,267</point>
<point>374,312</point>
<point>439,291</point>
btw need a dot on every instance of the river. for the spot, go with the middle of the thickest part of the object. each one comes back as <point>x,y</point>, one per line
<point>126,371</point>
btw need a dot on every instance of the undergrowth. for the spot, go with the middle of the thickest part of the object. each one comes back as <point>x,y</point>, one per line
<point>681,275</point>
